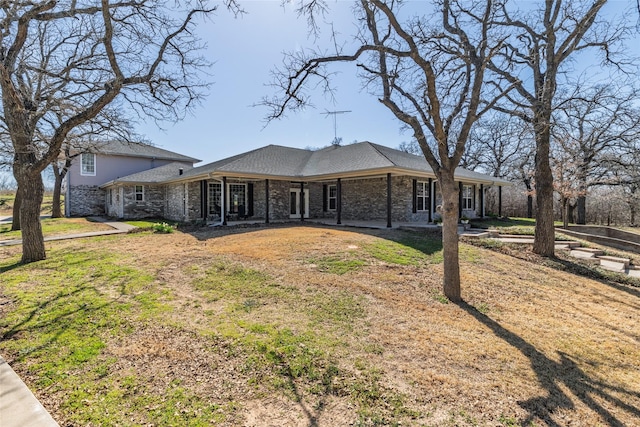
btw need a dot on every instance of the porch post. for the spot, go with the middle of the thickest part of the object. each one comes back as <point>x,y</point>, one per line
<point>388,200</point>
<point>500,201</point>
<point>223,197</point>
<point>339,202</point>
<point>204,193</point>
<point>460,200</point>
<point>266,201</point>
<point>302,201</point>
<point>481,200</point>
<point>430,200</point>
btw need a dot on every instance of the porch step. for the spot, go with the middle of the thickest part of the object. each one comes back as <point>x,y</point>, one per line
<point>634,271</point>
<point>612,263</point>
<point>566,244</point>
<point>585,253</point>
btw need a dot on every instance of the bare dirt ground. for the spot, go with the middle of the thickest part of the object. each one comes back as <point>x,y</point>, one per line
<point>531,345</point>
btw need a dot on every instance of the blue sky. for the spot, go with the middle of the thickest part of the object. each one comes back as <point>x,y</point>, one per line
<point>245,50</point>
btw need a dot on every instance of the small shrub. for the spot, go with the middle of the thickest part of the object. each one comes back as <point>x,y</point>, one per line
<point>163,227</point>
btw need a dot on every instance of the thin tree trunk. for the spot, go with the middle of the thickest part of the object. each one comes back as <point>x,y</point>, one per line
<point>570,212</point>
<point>565,213</point>
<point>451,283</point>
<point>56,209</point>
<point>15,221</point>
<point>581,210</point>
<point>527,183</point>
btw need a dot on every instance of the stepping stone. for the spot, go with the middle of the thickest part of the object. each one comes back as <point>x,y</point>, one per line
<point>613,263</point>
<point>566,244</point>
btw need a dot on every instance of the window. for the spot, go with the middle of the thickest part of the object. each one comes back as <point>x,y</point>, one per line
<point>238,199</point>
<point>215,198</point>
<point>88,164</point>
<point>467,197</point>
<point>422,196</point>
<point>332,197</point>
<point>139,191</point>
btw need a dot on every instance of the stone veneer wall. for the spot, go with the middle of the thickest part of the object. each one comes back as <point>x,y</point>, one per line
<point>86,200</point>
<point>194,212</point>
<point>151,207</point>
<point>182,202</point>
<point>175,202</point>
<point>279,199</point>
<point>366,200</point>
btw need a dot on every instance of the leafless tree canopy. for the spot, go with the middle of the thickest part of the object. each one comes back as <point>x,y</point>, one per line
<point>75,66</point>
<point>428,67</point>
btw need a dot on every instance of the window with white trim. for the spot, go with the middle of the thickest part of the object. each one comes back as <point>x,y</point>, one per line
<point>139,193</point>
<point>88,164</point>
<point>422,196</point>
<point>215,198</point>
<point>467,197</point>
<point>332,197</point>
<point>237,198</point>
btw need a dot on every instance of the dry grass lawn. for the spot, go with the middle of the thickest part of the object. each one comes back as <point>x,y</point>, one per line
<point>531,345</point>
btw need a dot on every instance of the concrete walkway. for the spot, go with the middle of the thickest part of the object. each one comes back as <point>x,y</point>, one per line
<point>118,228</point>
<point>18,406</point>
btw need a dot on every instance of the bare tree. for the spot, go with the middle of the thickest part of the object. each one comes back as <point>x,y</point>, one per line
<point>430,75</point>
<point>541,44</point>
<point>593,124</point>
<point>624,173</point>
<point>70,60</point>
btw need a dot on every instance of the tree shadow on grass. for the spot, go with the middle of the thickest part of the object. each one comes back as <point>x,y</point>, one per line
<point>52,318</point>
<point>631,287</point>
<point>554,376</point>
<point>313,416</point>
<point>9,267</point>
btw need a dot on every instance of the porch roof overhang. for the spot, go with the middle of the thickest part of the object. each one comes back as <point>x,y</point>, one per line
<point>471,178</point>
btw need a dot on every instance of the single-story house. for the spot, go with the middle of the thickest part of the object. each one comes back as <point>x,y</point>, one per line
<point>361,181</point>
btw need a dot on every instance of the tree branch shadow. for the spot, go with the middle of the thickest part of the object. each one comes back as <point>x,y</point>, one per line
<point>552,375</point>
<point>313,417</point>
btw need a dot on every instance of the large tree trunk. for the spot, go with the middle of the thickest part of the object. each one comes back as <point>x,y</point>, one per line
<point>32,239</point>
<point>544,238</point>
<point>15,221</point>
<point>451,282</point>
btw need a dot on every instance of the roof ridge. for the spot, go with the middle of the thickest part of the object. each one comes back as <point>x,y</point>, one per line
<point>375,147</point>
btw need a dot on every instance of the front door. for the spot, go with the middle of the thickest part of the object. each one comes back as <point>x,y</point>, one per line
<point>295,205</point>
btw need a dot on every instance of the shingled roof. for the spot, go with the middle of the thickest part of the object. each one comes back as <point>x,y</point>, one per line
<point>152,176</point>
<point>138,149</point>
<point>359,159</point>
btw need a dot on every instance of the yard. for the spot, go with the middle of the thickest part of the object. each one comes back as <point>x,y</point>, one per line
<point>312,326</point>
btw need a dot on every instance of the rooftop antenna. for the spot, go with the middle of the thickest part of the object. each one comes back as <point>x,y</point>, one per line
<point>336,140</point>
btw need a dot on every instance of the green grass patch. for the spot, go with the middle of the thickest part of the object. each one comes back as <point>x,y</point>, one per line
<point>61,314</point>
<point>408,248</point>
<point>56,227</point>
<point>337,264</point>
<point>293,336</point>
<point>519,226</point>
